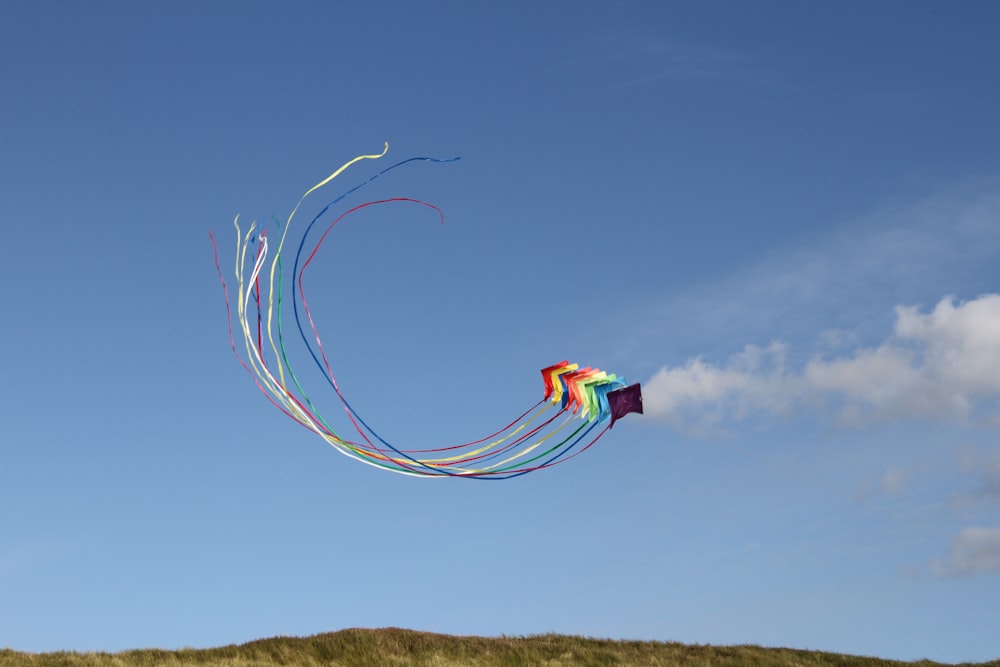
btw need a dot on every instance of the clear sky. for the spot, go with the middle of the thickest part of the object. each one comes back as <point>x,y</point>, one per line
<point>782,217</point>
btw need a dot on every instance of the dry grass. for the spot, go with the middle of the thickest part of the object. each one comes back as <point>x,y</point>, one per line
<point>393,647</point>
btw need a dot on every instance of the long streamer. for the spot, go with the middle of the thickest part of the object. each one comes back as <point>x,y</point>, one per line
<point>532,441</point>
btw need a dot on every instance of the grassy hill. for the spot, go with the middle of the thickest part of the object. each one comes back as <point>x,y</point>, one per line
<point>393,647</point>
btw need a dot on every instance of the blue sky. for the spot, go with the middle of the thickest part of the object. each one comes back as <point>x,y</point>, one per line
<point>782,218</point>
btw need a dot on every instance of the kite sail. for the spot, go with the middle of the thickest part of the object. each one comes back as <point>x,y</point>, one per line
<point>579,405</point>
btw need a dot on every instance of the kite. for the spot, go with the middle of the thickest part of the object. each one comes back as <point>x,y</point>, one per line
<point>579,404</point>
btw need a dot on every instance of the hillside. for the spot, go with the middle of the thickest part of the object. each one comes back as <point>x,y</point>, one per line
<point>403,648</point>
<point>398,648</point>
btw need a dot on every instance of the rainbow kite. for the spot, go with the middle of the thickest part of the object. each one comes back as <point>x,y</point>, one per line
<point>557,428</point>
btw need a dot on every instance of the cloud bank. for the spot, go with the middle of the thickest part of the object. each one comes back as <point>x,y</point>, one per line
<point>944,364</point>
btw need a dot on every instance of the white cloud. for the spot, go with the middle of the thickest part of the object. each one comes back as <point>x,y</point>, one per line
<point>893,481</point>
<point>986,467</point>
<point>990,486</point>
<point>944,364</point>
<point>962,343</point>
<point>975,550</point>
<point>754,379</point>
